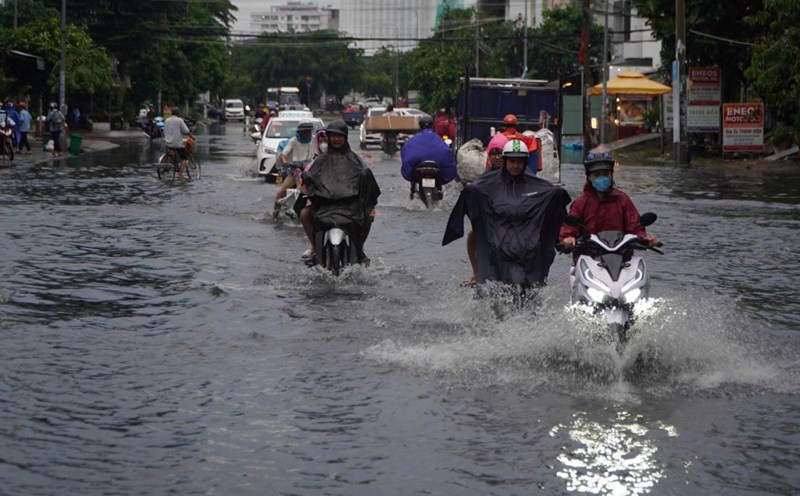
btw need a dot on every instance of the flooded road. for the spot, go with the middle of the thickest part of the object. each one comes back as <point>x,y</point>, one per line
<point>164,338</point>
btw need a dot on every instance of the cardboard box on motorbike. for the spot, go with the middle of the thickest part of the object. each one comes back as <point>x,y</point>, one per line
<point>408,124</point>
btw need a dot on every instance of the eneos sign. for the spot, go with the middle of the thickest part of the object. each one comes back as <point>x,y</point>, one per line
<point>743,127</point>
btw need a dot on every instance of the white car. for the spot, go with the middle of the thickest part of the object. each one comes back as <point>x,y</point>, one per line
<point>279,128</point>
<point>366,139</point>
<point>234,109</point>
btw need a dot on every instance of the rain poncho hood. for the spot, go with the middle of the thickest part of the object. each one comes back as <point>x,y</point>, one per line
<point>515,221</point>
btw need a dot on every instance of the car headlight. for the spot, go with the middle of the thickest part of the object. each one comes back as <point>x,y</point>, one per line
<point>270,150</point>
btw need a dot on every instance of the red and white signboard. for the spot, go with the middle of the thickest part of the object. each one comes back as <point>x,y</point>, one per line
<point>742,127</point>
<point>705,86</point>
<point>704,96</point>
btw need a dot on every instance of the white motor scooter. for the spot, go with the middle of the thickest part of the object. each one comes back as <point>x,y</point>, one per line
<point>607,280</point>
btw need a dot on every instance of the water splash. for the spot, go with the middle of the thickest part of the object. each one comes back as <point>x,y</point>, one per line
<point>684,342</point>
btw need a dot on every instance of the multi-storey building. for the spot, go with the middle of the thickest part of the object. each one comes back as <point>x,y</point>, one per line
<point>295,17</point>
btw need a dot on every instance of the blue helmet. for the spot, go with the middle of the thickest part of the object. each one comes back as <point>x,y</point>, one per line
<point>598,161</point>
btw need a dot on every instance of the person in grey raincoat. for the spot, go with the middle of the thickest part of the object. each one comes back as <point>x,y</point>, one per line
<point>515,216</point>
<point>342,189</point>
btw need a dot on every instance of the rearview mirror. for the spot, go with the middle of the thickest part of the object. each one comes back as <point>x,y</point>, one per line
<point>648,218</point>
<point>256,136</point>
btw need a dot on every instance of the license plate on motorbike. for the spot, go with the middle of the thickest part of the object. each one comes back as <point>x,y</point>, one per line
<point>428,183</point>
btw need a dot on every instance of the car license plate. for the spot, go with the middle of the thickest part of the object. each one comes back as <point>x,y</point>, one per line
<point>428,182</point>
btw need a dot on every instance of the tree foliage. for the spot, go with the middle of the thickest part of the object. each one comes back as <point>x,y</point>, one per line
<point>775,66</point>
<point>88,67</point>
<point>709,23</point>
<point>286,59</point>
<point>553,47</point>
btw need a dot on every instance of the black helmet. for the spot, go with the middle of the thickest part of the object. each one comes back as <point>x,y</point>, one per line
<point>598,161</point>
<point>305,126</point>
<point>425,122</point>
<point>337,127</point>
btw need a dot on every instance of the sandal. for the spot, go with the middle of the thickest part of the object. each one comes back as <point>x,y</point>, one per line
<point>469,282</point>
<point>307,255</point>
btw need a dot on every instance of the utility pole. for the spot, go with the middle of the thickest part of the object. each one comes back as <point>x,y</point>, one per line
<point>603,102</point>
<point>477,45</point>
<point>680,150</point>
<point>583,56</point>
<point>525,43</point>
<point>16,12</point>
<point>62,76</point>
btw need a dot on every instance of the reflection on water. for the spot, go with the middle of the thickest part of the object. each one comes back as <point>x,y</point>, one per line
<point>615,457</point>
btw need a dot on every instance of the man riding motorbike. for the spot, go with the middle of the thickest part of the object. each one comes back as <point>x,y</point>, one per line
<point>515,217</point>
<point>342,190</point>
<point>297,153</point>
<point>427,146</point>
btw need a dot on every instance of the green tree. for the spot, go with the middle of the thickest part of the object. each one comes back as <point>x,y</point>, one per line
<point>553,46</point>
<point>775,67</point>
<point>89,69</point>
<point>285,59</point>
<point>175,47</point>
<point>717,33</point>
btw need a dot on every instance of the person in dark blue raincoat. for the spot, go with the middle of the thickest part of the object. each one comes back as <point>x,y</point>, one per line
<point>516,218</point>
<point>427,145</point>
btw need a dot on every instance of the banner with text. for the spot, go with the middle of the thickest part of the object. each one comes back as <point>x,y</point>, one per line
<point>704,96</point>
<point>743,127</point>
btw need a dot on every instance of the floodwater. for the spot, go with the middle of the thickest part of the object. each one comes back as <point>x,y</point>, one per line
<point>164,338</point>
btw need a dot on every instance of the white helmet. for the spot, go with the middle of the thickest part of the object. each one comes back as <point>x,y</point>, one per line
<point>515,148</point>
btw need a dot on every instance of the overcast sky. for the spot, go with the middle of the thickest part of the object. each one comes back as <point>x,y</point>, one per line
<point>248,6</point>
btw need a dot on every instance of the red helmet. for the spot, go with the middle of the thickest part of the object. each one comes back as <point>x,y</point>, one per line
<point>510,120</point>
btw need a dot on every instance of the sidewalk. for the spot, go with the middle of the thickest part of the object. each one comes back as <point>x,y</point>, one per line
<point>96,140</point>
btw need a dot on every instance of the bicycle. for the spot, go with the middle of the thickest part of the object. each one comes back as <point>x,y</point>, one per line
<point>171,161</point>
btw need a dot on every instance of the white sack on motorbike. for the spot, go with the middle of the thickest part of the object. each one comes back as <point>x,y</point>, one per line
<point>471,159</point>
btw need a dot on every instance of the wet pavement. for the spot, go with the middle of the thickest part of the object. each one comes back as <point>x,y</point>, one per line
<point>163,337</point>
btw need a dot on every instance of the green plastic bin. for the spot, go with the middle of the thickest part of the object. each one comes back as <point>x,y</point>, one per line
<point>75,141</point>
<point>45,139</point>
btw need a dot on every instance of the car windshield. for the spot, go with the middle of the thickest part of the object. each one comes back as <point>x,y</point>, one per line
<point>377,112</point>
<point>283,128</point>
<point>234,105</point>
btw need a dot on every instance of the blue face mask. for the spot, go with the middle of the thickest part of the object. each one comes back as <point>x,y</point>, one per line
<point>601,184</point>
<point>301,139</point>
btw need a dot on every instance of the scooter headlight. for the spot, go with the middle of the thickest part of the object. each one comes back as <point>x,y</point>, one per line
<point>632,295</point>
<point>590,277</point>
<point>596,295</point>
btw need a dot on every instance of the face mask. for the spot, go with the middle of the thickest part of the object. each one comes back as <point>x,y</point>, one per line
<point>601,184</point>
<point>323,147</point>
<point>302,140</point>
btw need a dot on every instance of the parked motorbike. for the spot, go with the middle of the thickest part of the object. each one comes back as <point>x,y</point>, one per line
<point>85,122</point>
<point>154,129</point>
<point>607,280</point>
<point>427,183</point>
<point>389,143</point>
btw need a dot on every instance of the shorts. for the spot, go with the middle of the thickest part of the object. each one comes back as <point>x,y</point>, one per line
<point>182,153</point>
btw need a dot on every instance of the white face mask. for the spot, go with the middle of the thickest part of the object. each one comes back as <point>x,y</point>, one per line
<point>323,147</point>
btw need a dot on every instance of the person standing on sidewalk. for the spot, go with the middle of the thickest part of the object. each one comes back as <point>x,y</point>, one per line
<point>55,124</point>
<point>24,128</point>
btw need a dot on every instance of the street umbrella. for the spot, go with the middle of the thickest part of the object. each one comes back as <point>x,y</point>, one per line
<point>630,83</point>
